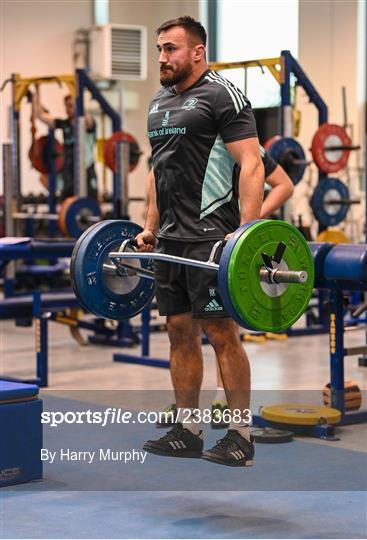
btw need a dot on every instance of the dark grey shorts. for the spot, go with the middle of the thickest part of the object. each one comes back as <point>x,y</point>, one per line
<point>182,288</point>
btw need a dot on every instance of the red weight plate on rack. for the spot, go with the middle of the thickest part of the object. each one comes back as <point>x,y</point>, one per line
<point>327,148</point>
<point>109,152</point>
<point>38,155</point>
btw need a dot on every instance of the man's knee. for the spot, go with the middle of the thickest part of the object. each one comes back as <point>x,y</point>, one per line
<point>182,329</point>
<point>221,333</point>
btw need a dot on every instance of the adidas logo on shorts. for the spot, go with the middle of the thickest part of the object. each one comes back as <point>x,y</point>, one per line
<point>213,306</point>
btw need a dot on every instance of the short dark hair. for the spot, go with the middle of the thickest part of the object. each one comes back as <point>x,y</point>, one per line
<point>195,28</point>
<point>68,98</point>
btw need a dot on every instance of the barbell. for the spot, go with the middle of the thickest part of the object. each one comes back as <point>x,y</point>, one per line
<point>75,215</point>
<point>265,273</point>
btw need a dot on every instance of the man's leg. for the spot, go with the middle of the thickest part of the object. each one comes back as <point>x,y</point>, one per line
<point>219,403</point>
<point>236,448</point>
<point>186,364</point>
<point>186,359</point>
<point>184,439</point>
<point>233,363</point>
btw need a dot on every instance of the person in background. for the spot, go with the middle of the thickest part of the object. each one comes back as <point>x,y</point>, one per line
<point>67,126</point>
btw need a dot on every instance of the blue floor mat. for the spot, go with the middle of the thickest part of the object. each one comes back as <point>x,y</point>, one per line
<point>184,515</point>
<point>295,490</point>
<point>297,465</point>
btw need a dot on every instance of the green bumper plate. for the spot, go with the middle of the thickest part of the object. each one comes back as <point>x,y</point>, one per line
<point>258,308</point>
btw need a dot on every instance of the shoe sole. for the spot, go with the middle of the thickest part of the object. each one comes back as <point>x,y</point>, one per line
<point>240,463</point>
<point>180,453</point>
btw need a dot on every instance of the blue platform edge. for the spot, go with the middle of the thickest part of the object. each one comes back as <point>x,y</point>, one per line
<point>12,391</point>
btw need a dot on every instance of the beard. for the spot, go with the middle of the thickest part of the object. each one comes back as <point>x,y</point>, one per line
<point>169,77</point>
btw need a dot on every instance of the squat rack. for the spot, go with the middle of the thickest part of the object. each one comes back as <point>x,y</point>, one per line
<point>76,83</point>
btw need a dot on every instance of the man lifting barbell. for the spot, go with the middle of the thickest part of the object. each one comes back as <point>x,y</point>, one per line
<point>199,125</point>
<point>263,277</point>
<point>281,189</point>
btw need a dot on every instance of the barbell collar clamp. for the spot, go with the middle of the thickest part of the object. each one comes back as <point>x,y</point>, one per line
<point>276,276</point>
<point>122,266</point>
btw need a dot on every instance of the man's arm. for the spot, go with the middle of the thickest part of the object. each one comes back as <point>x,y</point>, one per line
<point>40,112</point>
<point>282,190</point>
<point>152,218</point>
<point>146,239</point>
<point>246,152</point>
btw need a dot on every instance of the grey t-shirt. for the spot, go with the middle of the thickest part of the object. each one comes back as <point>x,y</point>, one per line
<point>194,172</point>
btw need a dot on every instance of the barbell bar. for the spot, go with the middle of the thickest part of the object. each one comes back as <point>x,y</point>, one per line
<point>75,215</point>
<point>336,148</point>
<point>41,215</point>
<point>347,202</point>
<point>265,273</point>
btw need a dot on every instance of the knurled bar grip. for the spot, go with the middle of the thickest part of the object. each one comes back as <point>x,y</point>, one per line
<point>278,276</point>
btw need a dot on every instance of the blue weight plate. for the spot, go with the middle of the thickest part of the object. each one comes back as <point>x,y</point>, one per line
<point>283,148</point>
<point>101,290</point>
<point>329,189</point>
<point>77,213</point>
<point>223,276</point>
<point>74,258</point>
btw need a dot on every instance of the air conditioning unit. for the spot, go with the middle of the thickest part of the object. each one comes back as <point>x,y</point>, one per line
<point>118,51</point>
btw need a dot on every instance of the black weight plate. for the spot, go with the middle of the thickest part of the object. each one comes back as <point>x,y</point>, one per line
<point>284,151</point>
<point>271,435</point>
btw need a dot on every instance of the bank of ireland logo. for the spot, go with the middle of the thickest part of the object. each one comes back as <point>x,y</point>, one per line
<point>165,118</point>
<point>189,104</point>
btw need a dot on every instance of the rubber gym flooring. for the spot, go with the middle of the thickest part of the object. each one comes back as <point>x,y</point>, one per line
<point>304,489</point>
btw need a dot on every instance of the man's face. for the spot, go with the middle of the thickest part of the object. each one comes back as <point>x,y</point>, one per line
<point>70,107</point>
<point>175,55</point>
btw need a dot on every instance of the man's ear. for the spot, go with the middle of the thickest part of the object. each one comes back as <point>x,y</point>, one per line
<point>199,52</point>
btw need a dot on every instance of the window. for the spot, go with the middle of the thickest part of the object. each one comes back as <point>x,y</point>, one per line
<point>254,29</point>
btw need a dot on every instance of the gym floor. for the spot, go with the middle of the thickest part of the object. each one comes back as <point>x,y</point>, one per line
<point>295,490</point>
